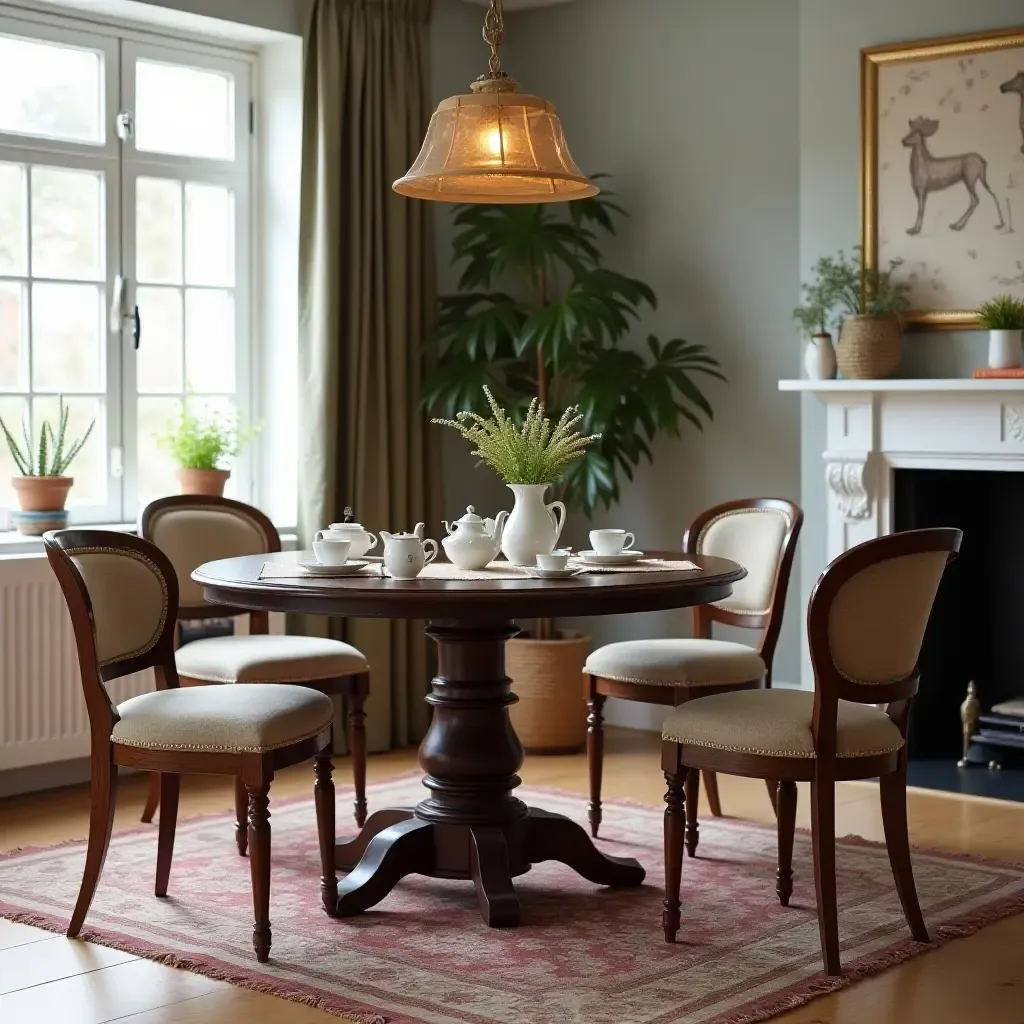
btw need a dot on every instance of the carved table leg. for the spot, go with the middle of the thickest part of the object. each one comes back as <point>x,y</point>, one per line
<point>348,851</point>
<point>556,837</point>
<point>499,904</point>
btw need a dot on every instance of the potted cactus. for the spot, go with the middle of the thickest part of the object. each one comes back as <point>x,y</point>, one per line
<point>42,488</point>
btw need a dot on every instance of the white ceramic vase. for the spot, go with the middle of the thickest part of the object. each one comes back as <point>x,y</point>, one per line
<point>820,358</point>
<point>1004,352</point>
<point>533,527</point>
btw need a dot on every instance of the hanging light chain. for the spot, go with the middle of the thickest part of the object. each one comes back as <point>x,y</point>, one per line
<point>494,35</point>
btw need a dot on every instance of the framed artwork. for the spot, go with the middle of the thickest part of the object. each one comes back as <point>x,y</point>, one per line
<point>942,170</point>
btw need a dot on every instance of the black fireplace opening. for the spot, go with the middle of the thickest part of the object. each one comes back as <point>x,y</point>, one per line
<point>976,632</point>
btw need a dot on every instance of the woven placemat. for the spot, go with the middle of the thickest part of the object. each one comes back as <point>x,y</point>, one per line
<point>494,571</point>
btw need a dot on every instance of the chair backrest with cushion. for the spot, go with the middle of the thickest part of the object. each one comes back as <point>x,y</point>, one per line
<point>760,534</point>
<point>192,529</point>
<point>867,617</point>
<point>122,595</point>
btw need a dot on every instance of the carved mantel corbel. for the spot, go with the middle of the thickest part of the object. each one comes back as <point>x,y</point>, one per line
<point>845,478</point>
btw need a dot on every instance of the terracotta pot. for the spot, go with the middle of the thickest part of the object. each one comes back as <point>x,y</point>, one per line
<point>42,493</point>
<point>870,346</point>
<point>547,677</point>
<point>203,481</point>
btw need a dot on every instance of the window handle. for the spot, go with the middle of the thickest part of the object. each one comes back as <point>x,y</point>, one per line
<point>136,328</point>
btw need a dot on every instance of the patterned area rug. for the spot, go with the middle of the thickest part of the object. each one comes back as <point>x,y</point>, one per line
<point>582,954</point>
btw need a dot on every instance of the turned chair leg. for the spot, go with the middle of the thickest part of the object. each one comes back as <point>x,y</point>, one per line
<point>823,838</point>
<point>786,804</point>
<point>595,757</point>
<point>241,817</point>
<point>152,798</point>
<point>357,744</point>
<point>259,866</point>
<point>323,794</point>
<point>893,789</point>
<point>169,787</point>
<point>675,827</point>
<point>711,789</point>
<point>103,795</point>
<point>692,789</point>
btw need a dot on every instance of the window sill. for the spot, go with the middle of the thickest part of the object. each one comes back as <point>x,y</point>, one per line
<point>15,545</point>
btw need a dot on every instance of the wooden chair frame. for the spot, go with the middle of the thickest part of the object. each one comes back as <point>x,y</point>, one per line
<point>597,689</point>
<point>254,771</point>
<point>680,761</point>
<point>355,687</point>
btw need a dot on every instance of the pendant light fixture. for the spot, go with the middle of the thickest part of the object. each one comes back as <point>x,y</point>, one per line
<point>496,144</point>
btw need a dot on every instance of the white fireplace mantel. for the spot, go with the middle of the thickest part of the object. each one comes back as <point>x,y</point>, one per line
<point>877,426</point>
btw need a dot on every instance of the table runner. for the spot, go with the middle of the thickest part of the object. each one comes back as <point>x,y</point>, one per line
<point>494,571</point>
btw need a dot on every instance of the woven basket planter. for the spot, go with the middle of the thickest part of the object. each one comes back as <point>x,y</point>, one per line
<point>870,347</point>
<point>547,677</point>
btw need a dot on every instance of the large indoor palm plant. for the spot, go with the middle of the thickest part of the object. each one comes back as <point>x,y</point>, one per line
<point>538,314</point>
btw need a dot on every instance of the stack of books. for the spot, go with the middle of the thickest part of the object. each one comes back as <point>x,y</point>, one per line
<point>985,373</point>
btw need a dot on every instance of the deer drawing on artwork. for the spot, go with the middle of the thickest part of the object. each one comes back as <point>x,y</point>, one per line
<point>934,173</point>
<point>1016,84</point>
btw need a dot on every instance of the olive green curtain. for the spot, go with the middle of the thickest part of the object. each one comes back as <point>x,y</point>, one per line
<point>366,288</point>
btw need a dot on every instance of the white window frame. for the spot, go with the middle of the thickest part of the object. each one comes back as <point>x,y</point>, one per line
<point>121,164</point>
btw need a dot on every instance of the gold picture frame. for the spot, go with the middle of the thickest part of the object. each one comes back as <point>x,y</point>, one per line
<point>877,61</point>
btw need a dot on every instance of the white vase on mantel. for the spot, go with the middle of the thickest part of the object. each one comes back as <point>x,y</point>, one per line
<point>1004,351</point>
<point>533,527</point>
<point>820,357</point>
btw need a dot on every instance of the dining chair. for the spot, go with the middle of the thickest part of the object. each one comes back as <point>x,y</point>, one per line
<point>760,534</point>
<point>865,625</point>
<point>122,595</point>
<point>192,529</point>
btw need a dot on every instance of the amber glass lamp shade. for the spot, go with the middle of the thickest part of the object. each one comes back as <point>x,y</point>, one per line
<point>495,146</point>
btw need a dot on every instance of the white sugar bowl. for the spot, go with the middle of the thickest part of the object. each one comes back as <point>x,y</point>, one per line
<point>472,542</point>
<point>360,540</point>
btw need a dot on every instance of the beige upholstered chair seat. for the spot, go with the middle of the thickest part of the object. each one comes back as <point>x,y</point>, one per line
<point>223,719</point>
<point>777,723</point>
<point>268,659</point>
<point>677,662</point>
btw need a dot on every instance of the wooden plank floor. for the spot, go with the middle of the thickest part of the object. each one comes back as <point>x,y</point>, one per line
<point>46,978</point>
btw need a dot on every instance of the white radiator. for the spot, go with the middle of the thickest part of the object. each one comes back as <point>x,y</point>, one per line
<point>42,710</point>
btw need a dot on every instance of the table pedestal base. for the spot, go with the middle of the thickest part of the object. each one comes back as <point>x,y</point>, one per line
<point>471,826</point>
<point>401,843</point>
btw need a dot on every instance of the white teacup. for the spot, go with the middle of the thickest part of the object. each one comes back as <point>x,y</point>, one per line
<point>329,551</point>
<point>611,542</point>
<point>554,560</point>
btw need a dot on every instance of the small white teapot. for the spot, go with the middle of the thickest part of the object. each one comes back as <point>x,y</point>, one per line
<point>472,542</point>
<point>405,554</point>
<point>361,540</point>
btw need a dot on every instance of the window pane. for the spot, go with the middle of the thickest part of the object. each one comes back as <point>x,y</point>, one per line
<point>158,230</point>
<point>12,219</point>
<point>12,411</point>
<point>156,467</point>
<point>184,111</point>
<point>67,223</point>
<point>67,331</point>
<point>50,91</point>
<point>159,365</point>
<point>12,324</point>
<point>210,340</point>
<point>209,235</point>
<point>90,466</point>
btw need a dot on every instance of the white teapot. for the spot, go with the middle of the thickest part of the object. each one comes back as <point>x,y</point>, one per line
<point>472,542</point>
<point>361,540</point>
<point>405,554</point>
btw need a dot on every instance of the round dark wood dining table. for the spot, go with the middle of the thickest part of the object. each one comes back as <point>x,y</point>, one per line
<point>471,826</point>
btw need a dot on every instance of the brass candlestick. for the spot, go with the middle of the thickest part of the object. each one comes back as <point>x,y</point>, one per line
<point>969,712</point>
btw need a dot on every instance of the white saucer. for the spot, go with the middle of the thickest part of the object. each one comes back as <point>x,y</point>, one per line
<point>552,574</point>
<point>619,558</point>
<point>350,568</point>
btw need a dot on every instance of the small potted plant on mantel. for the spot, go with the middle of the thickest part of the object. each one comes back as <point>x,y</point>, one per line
<point>201,444</point>
<point>42,488</point>
<point>820,353</point>
<point>1003,318</point>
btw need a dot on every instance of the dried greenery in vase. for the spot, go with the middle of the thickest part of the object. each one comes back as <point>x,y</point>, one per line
<point>534,453</point>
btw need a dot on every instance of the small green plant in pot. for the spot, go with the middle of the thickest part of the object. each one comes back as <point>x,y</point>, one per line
<point>201,444</point>
<point>1003,318</point>
<point>812,316</point>
<point>43,486</point>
